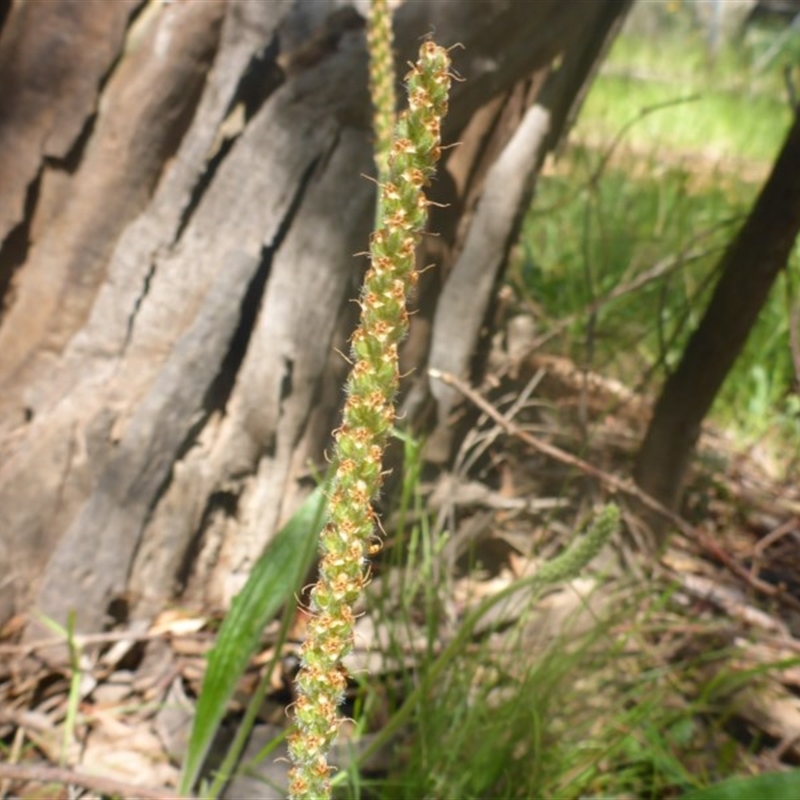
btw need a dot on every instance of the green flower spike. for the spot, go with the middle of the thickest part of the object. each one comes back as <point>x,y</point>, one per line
<point>367,420</point>
<point>381,81</point>
<point>571,562</point>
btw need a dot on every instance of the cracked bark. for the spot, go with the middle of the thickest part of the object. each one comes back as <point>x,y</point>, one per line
<point>178,262</point>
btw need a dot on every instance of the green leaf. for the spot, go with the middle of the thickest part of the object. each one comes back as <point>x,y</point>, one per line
<point>273,582</point>
<point>769,786</point>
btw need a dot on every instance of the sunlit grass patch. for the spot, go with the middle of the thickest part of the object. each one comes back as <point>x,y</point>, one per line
<point>601,224</point>
<point>731,104</point>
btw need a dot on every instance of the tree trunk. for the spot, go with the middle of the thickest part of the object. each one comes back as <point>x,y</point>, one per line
<point>748,270</point>
<point>183,195</point>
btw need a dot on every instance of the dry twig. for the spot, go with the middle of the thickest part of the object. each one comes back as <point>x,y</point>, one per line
<point>611,481</point>
<point>97,783</point>
<point>615,484</point>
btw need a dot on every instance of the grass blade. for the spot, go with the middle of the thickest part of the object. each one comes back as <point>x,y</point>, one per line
<point>769,786</point>
<point>273,582</point>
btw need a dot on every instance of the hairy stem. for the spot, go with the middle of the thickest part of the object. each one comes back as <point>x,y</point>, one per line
<point>367,420</point>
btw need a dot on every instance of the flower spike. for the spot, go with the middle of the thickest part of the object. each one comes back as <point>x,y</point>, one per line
<point>368,415</point>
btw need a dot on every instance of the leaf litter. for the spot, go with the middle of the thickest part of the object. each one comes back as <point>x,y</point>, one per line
<point>732,577</point>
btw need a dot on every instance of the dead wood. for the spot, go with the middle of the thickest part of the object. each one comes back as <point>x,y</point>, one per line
<point>179,270</point>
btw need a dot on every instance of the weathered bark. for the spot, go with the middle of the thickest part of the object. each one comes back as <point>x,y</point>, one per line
<point>178,264</point>
<point>748,270</point>
<point>505,194</point>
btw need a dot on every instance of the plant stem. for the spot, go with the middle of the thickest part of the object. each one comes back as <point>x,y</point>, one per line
<point>367,420</point>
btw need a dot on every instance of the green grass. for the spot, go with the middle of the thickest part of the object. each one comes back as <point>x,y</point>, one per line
<point>600,710</point>
<point>595,710</point>
<point>661,186</point>
<point>735,103</point>
<point>594,713</point>
<point>587,237</point>
<point>717,124</point>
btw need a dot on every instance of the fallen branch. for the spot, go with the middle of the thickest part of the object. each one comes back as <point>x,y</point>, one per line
<point>615,484</point>
<point>98,783</point>
<point>611,481</point>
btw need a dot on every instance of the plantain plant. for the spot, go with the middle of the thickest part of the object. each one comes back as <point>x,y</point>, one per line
<point>369,414</point>
<point>407,150</point>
